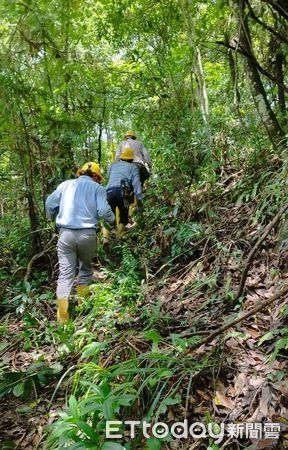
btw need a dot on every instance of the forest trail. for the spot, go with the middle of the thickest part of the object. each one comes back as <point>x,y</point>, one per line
<point>203,86</point>
<point>239,377</point>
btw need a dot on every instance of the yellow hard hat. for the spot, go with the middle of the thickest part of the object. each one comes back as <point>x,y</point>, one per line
<point>94,167</point>
<point>130,133</point>
<point>127,153</point>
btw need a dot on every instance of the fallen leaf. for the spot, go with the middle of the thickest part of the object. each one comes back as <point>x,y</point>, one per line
<point>201,350</point>
<point>203,394</point>
<point>257,382</point>
<point>240,382</point>
<point>262,444</point>
<point>263,408</point>
<point>253,333</point>
<point>223,400</point>
<point>282,386</point>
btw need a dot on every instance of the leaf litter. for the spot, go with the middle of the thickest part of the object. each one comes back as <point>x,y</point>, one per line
<point>249,383</point>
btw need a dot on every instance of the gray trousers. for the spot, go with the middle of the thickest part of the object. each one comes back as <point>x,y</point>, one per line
<point>76,248</point>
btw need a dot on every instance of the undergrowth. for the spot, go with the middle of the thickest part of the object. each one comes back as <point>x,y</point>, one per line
<point>123,355</point>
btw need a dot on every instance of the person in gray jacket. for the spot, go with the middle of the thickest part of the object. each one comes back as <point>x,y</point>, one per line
<point>141,155</point>
<point>124,183</point>
<point>77,206</point>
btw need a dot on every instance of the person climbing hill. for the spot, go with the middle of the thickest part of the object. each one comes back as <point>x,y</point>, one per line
<point>124,182</point>
<point>141,154</point>
<point>77,205</point>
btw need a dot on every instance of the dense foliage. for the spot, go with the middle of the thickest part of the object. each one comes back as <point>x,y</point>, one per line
<point>204,85</point>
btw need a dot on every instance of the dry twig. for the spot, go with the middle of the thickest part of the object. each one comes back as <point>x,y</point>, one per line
<point>259,307</point>
<point>256,247</point>
<point>37,256</point>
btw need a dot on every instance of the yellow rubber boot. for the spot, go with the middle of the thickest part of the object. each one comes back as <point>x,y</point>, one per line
<point>120,231</point>
<point>117,216</point>
<point>106,235</point>
<point>62,311</point>
<point>82,292</point>
<point>133,207</point>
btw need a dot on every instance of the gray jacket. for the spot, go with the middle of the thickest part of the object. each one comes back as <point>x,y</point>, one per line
<point>141,154</point>
<point>78,204</point>
<point>122,170</point>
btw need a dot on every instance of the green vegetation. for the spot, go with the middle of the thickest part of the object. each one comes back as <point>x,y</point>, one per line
<point>204,85</point>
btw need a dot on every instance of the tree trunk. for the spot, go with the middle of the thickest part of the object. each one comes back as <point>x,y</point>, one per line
<point>101,124</point>
<point>279,73</point>
<point>234,79</point>
<point>202,92</point>
<point>29,181</point>
<point>281,6</point>
<point>264,109</point>
<point>196,60</point>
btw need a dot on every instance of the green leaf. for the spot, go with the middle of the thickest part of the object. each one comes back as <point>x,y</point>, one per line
<point>164,373</point>
<point>152,382</point>
<point>24,409</point>
<point>3,345</point>
<point>84,445</point>
<point>112,446</point>
<point>56,367</point>
<point>92,349</point>
<point>94,388</point>
<point>27,286</point>
<point>173,401</point>
<point>19,389</point>
<point>214,447</point>
<point>125,400</point>
<point>266,337</point>
<point>168,402</point>
<point>153,335</point>
<point>73,405</point>
<point>93,408</point>
<point>90,433</point>
<point>235,334</point>
<point>5,445</point>
<point>42,378</point>
<point>108,409</point>
<point>153,443</point>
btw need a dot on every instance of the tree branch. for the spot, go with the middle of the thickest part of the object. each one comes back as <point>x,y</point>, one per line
<point>264,25</point>
<point>256,247</point>
<point>264,72</point>
<point>239,319</point>
<point>37,256</point>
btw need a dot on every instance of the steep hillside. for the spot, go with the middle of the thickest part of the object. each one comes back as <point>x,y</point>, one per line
<point>147,344</point>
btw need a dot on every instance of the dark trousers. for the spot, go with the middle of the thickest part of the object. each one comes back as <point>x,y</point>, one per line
<point>144,174</point>
<point>115,200</point>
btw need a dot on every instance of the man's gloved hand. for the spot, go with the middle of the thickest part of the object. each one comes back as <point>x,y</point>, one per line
<point>139,204</point>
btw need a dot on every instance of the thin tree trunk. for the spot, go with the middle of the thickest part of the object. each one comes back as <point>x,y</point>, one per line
<point>234,79</point>
<point>29,181</point>
<point>264,109</point>
<point>281,6</point>
<point>264,25</point>
<point>101,130</point>
<point>197,68</point>
<point>279,73</point>
<point>202,92</point>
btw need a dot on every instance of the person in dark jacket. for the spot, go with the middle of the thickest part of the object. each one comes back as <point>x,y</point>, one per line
<point>124,183</point>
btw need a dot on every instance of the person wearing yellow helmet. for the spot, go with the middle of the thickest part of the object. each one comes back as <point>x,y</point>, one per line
<point>124,182</point>
<point>76,205</point>
<point>91,169</point>
<point>130,134</point>
<point>141,154</point>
